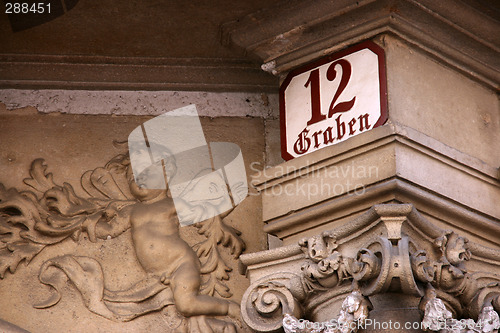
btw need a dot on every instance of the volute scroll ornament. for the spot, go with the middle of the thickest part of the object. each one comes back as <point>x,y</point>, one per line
<point>365,266</point>
<point>422,267</point>
<point>267,300</point>
<point>402,253</point>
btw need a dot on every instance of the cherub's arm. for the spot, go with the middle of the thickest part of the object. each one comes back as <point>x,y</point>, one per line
<point>116,220</point>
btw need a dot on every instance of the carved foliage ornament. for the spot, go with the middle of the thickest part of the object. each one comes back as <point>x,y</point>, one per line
<point>411,256</point>
<point>50,213</point>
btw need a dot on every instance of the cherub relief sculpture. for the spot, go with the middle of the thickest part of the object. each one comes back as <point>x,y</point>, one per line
<point>115,204</point>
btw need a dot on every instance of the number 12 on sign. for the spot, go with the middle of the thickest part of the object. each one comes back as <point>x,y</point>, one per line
<point>333,99</point>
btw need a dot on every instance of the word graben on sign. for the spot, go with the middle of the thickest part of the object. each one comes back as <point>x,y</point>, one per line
<point>333,99</point>
<point>325,138</point>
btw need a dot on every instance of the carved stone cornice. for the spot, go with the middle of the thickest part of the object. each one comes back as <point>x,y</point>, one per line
<point>390,248</point>
<point>292,33</point>
<point>21,71</point>
<point>398,152</point>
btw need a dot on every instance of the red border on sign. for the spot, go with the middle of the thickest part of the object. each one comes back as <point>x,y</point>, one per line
<point>382,83</point>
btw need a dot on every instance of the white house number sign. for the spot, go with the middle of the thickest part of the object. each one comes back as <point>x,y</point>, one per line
<point>333,99</point>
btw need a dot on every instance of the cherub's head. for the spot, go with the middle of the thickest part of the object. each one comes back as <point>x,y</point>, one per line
<point>147,179</point>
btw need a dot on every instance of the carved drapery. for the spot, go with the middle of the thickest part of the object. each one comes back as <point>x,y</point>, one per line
<point>391,248</point>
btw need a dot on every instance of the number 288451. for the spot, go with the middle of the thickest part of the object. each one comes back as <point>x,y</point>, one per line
<point>27,8</point>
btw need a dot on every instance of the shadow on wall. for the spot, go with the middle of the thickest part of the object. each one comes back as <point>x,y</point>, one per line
<point>30,13</point>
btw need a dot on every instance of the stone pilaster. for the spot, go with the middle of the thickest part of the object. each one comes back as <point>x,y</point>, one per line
<point>406,213</point>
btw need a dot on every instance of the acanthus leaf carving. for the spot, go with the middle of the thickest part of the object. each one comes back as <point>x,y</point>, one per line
<point>325,267</point>
<point>410,256</point>
<point>217,232</point>
<point>472,289</point>
<point>40,180</point>
<point>438,318</point>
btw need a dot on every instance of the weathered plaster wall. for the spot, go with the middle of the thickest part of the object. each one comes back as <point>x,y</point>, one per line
<point>209,104</point>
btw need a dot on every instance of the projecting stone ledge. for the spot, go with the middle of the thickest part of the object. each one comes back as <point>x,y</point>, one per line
<point>390,164</point>
<point>446,29</point>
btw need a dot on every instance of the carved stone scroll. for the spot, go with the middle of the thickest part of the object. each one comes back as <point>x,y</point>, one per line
<point>267,300</point>
<point>401,252</point>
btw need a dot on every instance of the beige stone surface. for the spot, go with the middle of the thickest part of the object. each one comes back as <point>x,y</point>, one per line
<point>442,103</point>
<point>303,188</point>
<point>273,142</point>
<point>392,163</point>
<point>71,145</point>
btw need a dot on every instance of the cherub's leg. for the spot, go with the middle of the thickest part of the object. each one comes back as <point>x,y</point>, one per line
<point>185,283</point>
<point>212,325</point>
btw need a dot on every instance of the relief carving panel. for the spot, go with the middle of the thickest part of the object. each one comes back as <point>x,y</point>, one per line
<point>185,281</point>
